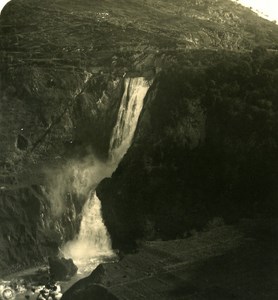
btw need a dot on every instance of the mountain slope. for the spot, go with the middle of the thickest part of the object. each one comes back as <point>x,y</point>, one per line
<point>109,25</point>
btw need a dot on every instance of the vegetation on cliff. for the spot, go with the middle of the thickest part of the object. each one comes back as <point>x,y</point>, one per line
<point>206,147</point>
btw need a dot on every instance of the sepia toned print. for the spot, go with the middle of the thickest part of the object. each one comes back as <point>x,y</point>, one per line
<point>138,149</point>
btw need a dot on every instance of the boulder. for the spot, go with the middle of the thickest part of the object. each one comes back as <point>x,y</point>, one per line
<point>61,268</point>
<point>93,291</point>
<point>91,287</point>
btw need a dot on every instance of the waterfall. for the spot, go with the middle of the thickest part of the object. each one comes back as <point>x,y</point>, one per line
<point>93,243</point>
<point>128,115</point>
<point>92,226</point>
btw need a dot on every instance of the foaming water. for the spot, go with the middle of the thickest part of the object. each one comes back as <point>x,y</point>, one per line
<point>92,246</point>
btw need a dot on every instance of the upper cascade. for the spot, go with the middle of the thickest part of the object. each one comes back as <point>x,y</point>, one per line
<point>129,112</point>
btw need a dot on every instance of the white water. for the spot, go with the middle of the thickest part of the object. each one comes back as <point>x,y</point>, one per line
<point>93,244</point>
<point>129,112</point>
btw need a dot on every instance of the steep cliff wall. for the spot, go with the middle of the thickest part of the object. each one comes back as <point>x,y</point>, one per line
<point>205,148</point>
<point>54,122</point>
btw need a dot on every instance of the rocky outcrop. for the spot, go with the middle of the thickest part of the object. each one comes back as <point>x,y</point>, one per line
<point>61,268</point>
<point>93,291</point>
<point>90,287</point>
<point>204,147</point>
<point>29,232</point>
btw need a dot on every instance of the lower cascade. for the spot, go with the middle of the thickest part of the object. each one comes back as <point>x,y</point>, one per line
<point>93,244</point>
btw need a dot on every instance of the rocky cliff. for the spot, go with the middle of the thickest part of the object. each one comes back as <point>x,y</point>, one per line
<point>205,147</point>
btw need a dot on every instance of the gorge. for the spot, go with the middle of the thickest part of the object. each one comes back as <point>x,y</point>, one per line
<point>146,129</point>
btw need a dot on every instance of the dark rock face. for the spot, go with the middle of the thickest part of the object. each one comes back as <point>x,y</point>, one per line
<point>22,228</point>
<point>205,147</point>
<point>90,287</point>
<point>22,142</point>
<point>29,232</point>
<point>61,268</point>
<point>91,292</point>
